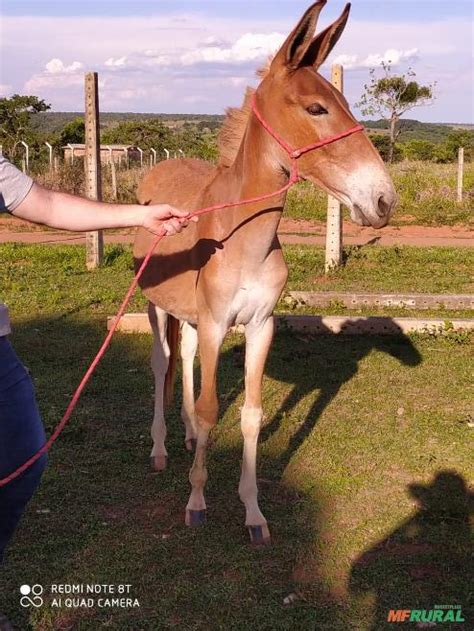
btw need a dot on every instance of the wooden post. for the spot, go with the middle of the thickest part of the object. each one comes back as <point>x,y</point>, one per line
<point>94,240</point>
<point>460,172</point>
<point>113,174</point>
<point>334,218</point>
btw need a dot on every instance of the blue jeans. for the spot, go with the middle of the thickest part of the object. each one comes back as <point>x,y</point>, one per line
<point>21,435</point>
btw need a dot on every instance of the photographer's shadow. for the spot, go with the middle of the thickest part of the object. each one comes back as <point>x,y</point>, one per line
<point>431,552</point>
<point>325,363</point>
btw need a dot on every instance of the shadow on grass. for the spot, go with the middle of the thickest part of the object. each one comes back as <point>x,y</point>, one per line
<point>101,517</point>
<point>431,552</point>
<point>323,363</point>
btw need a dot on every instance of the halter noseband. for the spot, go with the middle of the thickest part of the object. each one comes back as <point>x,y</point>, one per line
<point>294,154</point>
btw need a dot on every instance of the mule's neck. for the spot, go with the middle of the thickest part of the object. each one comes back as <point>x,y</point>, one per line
<point>256,171</point>
<point>257,165</point>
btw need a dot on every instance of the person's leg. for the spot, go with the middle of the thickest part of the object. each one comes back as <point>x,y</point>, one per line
<point>21,435</point>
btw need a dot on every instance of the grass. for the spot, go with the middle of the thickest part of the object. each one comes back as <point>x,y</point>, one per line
<point>363,463</point>
<point>366,268</point>
<point>427,193</point>
<point>384,269</point>
<point>427,196</point>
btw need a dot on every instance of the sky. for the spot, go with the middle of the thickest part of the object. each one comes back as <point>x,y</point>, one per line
<point>197,56</point>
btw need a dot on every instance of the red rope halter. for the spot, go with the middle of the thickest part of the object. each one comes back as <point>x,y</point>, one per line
<point>294,154</point>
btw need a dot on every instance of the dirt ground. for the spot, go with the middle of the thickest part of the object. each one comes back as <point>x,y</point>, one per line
<point>291,231</point>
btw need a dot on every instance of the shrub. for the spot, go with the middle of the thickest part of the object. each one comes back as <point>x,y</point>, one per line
<point>382,144</point>
<point>419,150</point>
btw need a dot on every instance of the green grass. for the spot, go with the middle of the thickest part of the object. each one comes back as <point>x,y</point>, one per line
<point>427,196</point>
<point>363,459</point>
<point>56,271</point>
<point>384,269</point>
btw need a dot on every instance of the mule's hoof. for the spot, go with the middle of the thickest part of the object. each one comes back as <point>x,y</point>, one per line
<point>158,463</point>
<point>191,444</point>
<point>259,535</point>
<point>195,517</point>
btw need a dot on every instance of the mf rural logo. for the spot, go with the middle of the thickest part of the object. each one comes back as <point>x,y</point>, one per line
<point>439,613</point>
<point>31,596</point>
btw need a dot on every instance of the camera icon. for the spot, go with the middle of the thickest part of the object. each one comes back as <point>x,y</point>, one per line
<point>31,595</point>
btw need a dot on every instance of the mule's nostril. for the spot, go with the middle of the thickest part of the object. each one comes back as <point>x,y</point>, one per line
<point>383,208</point>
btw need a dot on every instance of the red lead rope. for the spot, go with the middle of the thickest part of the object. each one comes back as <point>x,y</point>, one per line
<point>294,177</point>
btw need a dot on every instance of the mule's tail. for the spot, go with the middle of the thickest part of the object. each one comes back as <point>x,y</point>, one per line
<point>172,337</point>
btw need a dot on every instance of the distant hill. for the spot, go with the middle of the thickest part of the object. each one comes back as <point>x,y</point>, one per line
<point>53,122</point>
<point>413,129</point>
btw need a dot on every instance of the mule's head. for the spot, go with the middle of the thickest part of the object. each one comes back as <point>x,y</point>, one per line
<point>302,107</point>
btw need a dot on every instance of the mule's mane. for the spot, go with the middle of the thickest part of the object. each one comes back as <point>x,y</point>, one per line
<point>235,123</point>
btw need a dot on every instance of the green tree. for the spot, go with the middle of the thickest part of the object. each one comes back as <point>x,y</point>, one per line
<point>382,143</point>
<point>15,119</point>
<point>73,132</point>
<point>391,96</point>
<point>144,134</point>
<point>419,149</point>
<point>460,138</point>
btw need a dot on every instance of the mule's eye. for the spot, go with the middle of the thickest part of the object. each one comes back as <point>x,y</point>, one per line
<point>316,109</point>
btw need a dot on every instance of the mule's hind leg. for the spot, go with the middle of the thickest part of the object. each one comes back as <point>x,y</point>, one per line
<point>258,339</point>
<point>159,363</point>
<point>189,344</point>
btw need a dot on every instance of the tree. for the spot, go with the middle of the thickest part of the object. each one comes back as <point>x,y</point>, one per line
<point>418,149</point>
<point>15,115</point>
<point>74,132</point>
<point>391,96</point>
<point>382,144</point>
<point>144,134</point>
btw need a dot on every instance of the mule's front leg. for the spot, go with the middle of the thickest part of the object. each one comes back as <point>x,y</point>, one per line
<point>159,362</point>
<point>189,344</point>
<point>210,337</point>
<point>258,339</point>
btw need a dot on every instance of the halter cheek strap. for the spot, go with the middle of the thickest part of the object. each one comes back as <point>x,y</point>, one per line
<point>294,154</point>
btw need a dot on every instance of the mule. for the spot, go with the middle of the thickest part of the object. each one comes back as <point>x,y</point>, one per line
<point>229,269</point>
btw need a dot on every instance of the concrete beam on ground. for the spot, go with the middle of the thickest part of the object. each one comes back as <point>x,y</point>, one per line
<point>319,325</point>
<point>409,301</point>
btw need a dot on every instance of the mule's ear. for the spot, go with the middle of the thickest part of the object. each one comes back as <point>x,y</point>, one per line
<point>319,49</point>
<point>297,42</point>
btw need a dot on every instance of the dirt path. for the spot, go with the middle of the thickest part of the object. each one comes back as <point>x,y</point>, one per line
<point>291,231</point>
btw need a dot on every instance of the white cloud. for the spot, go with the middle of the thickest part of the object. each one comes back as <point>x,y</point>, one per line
<point>196,54</point>
<point>248,47</point>
<point>116,62</point>
<point>56,66</point>
<point>5,89</point>
<point>390,56</point>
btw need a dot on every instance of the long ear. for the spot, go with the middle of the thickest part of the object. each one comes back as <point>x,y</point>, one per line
<point>294,47</point>
<point>319,49</point>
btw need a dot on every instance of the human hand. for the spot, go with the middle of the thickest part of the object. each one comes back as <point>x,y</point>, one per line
<point>159,217</point>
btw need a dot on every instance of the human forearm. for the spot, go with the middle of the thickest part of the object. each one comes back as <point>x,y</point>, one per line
<point>68,212</point>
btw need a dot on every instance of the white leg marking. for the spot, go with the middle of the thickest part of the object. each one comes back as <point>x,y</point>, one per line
<point>189,344</point>
<point>198,473</point>
<point>159,363</point>
<point>251,420</point>
<point>258,339</point>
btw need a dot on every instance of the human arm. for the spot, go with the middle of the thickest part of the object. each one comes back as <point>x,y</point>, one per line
<point>70,212</point>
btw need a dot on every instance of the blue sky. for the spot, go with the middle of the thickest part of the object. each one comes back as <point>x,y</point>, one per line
<point>365,9</point>
<point>198,55</point>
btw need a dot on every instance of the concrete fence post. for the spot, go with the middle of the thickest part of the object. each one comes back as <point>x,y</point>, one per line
<point>95,239</point>
<point>460,173</point>
<point>334,217</point>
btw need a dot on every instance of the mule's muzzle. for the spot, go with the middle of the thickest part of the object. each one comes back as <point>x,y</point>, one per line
<point>377,212</point>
